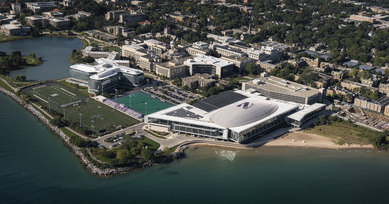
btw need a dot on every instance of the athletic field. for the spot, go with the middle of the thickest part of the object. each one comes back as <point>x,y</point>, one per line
<point>139,100</point>
<point>73,104</point>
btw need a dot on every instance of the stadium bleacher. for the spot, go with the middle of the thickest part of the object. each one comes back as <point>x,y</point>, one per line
<point>124,109</point>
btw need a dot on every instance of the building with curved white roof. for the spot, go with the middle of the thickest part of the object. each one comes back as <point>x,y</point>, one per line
<point>236,116</point>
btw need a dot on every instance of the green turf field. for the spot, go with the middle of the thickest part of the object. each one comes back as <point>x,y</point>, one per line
<point>138,101</point>
<point>71,103</point>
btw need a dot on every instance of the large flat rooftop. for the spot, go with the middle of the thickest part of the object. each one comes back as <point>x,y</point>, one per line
<point>279,85</point>
<point>218,101</point>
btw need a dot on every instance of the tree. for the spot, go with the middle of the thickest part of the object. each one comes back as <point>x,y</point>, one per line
<point>20,78</point>
<point>122,154</point>
<point>147,154</point>
<point>253,68</point>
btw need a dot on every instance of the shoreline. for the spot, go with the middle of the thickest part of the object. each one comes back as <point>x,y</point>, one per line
<point>289,140</point>
<point>307,140</point>
<point>66,140</point>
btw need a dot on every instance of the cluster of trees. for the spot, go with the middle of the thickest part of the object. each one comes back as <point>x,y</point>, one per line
<point>363,91</point>
<point>133,152</point>
<point>77,57</point>
<point>11,62</point>
<point>326,120</point>
<point>210,91</point>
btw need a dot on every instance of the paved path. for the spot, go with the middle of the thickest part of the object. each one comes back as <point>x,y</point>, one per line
<point>13,88</point>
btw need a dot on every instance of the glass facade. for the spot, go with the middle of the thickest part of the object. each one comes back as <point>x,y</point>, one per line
<point>186,128</point>
<point>80,75</point>
<point>96,86</point>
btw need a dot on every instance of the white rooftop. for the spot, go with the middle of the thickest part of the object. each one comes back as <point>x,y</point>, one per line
<point>298,116</point>
<point>238,116</point>
<point>207,60</point>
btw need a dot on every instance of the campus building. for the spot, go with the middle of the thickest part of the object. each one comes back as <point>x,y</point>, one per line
<point>209,65</point>
<point>277,88</point>
<point>232,115</point>
<point>198,48</point>
<point>14,28</point>
<point>172,69</point>
<point>105,75</point>
<point>37,7</point>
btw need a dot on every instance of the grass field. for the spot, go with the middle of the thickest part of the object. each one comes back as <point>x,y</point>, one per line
<point>138,101</point>
<point>72,104</point>
<point>344,132</point>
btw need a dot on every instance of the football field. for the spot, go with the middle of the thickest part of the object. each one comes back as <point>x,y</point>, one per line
<point>77,107</point>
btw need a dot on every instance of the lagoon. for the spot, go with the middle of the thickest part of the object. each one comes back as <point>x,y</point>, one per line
<point>54,52</point>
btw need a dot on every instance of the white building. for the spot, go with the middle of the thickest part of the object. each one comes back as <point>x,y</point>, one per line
<point>209,65</point>
<point>234,116</point>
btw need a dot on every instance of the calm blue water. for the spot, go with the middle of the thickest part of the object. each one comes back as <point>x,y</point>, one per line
<point>37,167</point>
<point>54,52</point>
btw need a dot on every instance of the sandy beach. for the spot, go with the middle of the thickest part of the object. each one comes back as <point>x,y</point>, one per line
<point>302,139</point>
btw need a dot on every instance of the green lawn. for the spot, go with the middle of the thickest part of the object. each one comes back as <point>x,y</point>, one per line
<point>4,38</point>
<point>73,104</point>
<point>32,61</point>
<point>344,132</point>
<point>111,48</point>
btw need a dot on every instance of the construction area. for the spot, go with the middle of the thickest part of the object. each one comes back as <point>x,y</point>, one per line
<point>365,117</point>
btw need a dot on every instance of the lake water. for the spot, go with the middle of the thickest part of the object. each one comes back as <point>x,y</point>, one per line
<point>37,167</point>
<point>54,52</point>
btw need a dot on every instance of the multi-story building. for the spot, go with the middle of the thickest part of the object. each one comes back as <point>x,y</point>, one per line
<point>373,105</point>
<point>227,51</point>
<point>81,14</point>
<point>198,48</point>
<point>59,23</point>
<point>36,21</point>
<point>16,8</point>
<point>14,28</point>
<point>362,18</point>
<point>114,15</point>
<point>198,80</point>
<point>265,53</point>
<point>37,7</point>
<point>133,50</point>
<point>240,63</point>
<point>209,65</point>
<point>277,88</point>
<point>156,46</point>
<point>219,38</point>
<point>123,16</point>
<point>105,75</point>
<point>172,69</point>
<point>6,19</point>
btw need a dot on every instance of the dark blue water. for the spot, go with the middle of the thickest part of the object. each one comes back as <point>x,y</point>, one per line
<point>54,52</point>
<point>35,167</point>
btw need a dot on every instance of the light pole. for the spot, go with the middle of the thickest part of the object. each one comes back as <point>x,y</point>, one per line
<point>80,118</point>
<point>49,104</point>
<point>130,101</point>
<point>93,128</point>
<point>64,113</point>
<point>146,107</point>
<point>116,95</point>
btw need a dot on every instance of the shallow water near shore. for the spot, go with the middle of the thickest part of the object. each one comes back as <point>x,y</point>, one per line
<point>54,52</point>
<point>37,167</point>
